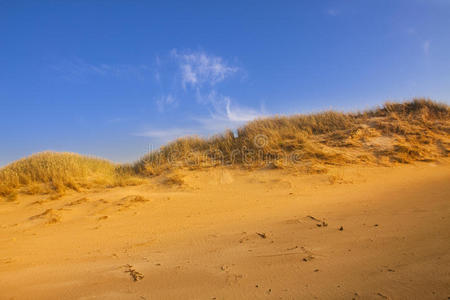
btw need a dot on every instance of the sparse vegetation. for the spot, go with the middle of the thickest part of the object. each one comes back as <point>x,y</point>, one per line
<point>418,130</point>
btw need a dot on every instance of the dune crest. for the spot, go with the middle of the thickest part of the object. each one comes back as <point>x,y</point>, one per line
<point>396,133</point>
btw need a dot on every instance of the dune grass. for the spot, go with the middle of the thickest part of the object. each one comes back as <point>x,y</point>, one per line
<point>396,132</point>
<point>417,130</point>
<point>52,172</point>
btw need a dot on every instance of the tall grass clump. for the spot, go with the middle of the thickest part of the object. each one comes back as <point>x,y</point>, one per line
<point>413,130</point>
<point>48,172</point>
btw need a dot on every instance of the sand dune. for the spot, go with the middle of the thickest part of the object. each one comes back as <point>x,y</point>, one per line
<point>376,233</point>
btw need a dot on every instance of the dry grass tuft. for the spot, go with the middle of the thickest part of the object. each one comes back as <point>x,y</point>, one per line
<point>55,173</point>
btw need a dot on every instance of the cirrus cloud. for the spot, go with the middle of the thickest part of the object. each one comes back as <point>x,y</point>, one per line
<point>194,78</point>
<point>198,68</point>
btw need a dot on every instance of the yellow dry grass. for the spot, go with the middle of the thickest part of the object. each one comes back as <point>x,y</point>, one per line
<point>417,130</point>
<point>51,172</point>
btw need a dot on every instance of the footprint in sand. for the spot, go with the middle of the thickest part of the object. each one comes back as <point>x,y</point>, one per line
<point>129,201</point>
<point>257,235</point>
<point>77,202</point>
<point>6,260</point>
<point>382,296</point>
<point>39,202</point>
<point>50,216</point>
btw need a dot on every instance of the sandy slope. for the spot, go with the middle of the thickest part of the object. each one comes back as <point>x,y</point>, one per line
<point>236,234</point>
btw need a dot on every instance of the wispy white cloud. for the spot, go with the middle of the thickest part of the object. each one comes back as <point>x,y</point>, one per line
<point>240,114</point>
<point>186,75</point>
<point>227,115</point>
<point>165,101</point>
<point>198,68</point>
<point>195,77</point>
<point>224,109</point>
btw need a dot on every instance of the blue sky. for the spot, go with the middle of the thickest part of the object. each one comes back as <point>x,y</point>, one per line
<point>113,78</point>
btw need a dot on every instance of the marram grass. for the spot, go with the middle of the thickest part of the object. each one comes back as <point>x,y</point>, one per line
<point>417,130</point>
